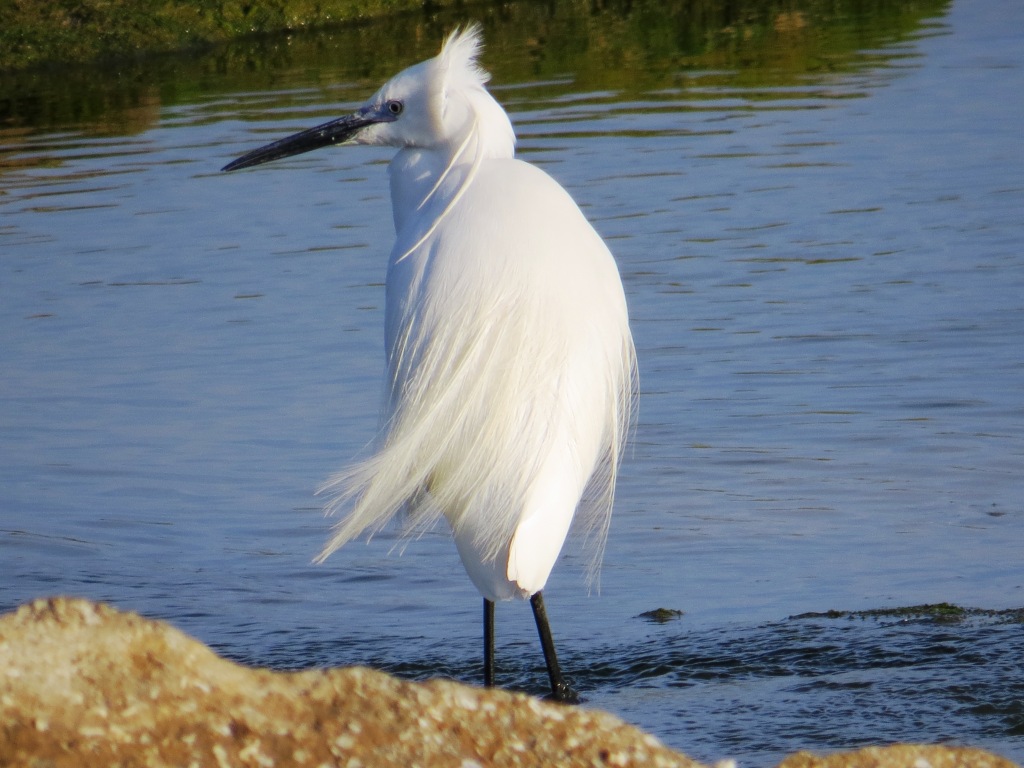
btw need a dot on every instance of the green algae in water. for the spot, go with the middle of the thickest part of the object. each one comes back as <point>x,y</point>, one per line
<point>661,615</point>
<point>937,613</point>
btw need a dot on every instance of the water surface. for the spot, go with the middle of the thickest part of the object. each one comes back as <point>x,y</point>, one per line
<point>818,222</point>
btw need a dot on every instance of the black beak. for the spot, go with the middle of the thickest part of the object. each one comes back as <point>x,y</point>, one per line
<point>334,132</point>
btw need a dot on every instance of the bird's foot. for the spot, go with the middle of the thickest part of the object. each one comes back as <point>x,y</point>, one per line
<point>563,693</point>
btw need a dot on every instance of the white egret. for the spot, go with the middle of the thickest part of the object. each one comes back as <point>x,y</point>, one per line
<point>510,364</point>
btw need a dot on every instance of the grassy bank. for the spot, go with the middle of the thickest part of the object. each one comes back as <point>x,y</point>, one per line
<point>35,33</point>
<point>85,62</point>
<point>38,32</point>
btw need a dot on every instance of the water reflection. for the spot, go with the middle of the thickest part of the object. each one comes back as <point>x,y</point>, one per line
<point>621,48</point>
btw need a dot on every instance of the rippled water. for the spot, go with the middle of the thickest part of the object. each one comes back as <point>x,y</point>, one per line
<point>825,273</point>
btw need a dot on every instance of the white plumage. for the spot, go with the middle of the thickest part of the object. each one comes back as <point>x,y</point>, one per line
<point>511,369</point>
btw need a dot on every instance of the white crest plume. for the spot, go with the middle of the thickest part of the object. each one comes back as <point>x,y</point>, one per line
<point>460,54</point>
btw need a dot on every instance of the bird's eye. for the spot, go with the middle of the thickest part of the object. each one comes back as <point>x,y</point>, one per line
<point>394,107</point>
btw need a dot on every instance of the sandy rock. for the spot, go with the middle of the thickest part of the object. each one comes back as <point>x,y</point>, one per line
<point>85,685</point>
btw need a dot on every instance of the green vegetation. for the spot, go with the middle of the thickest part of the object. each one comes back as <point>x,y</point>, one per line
<point>44,32</point>
<point>105,66</point>
<point>36,32</point>
<point>661,615</point>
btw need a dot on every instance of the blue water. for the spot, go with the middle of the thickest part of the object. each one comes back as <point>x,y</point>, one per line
<point>826,280</point>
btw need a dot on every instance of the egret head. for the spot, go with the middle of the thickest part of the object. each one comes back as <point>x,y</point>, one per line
<point>432,105</point>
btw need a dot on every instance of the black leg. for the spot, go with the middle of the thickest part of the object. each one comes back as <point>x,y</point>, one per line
<point>560,690</point>
<point>488,643</point>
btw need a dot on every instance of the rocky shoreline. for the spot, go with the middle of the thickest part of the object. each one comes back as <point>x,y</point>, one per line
<point>83,684</point>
